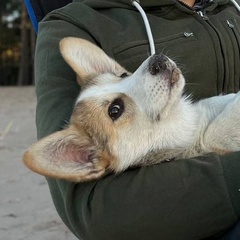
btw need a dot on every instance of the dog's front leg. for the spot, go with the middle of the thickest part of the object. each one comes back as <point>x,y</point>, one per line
<point>223,133</point>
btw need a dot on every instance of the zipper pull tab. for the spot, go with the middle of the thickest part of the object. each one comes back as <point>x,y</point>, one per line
<point>202,15</point>
<point>188,34</point>
<point>230,24</point>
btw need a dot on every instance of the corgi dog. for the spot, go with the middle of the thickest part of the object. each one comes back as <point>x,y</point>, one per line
<point>122,120</point>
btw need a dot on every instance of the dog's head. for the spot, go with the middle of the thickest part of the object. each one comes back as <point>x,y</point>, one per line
<point>116,119</point>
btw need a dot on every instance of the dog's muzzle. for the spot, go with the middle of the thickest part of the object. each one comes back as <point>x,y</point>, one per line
<point>160,64</point>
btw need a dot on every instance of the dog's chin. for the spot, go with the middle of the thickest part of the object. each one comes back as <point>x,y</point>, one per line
<point>175,76</point>
<point>161,109</point>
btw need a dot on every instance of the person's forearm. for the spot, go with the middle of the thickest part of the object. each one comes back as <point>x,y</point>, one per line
<point>185,199</point>
<point>231,166</point>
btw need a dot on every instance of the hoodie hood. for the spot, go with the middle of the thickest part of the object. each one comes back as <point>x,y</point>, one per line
<point>105,4</point>
<point>100,4</point>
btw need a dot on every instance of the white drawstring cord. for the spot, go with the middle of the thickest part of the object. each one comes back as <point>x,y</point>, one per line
<point>147,26</point>
<point>136,3</point>
<point>235,4</point>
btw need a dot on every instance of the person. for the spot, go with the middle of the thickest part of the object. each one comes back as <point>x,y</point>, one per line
<point>188,199</point>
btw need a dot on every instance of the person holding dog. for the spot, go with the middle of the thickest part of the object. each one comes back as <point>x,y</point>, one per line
<point>188,199</point>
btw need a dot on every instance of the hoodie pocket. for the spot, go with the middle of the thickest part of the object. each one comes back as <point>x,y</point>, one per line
<point>233,27</point>
<point>132,54</point>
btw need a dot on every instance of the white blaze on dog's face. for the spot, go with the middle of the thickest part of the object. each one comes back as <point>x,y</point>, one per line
<point>118,117</point>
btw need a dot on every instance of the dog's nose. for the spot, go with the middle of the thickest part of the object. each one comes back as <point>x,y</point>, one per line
<point>157,64</point>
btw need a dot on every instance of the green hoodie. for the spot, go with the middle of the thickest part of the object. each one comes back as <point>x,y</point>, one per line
<point>183,200</point>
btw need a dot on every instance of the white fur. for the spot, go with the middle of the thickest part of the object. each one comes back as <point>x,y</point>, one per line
<point>157,118</point>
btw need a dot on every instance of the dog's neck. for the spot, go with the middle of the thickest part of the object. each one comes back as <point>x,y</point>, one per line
<point>165,138</point>
<point>181,121</point>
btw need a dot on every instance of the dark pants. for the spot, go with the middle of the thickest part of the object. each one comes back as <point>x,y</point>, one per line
<point>233,234</point>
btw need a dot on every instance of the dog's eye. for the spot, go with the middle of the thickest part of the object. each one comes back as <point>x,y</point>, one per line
<point>116,109</point>
<point>124,75</point>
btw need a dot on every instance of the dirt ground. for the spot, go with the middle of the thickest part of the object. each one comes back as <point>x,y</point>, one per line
<point>26,208</point>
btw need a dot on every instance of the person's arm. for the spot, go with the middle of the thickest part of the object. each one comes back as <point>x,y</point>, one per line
<point>185,199</point>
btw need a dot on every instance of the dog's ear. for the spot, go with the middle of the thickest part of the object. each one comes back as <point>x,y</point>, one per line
<point>86,59</point>
<point>66,155</point>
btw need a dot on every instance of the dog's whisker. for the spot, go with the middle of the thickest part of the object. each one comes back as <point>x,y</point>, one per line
<point>193,84</point>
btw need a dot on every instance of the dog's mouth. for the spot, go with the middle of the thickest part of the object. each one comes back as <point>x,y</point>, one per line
<point>159,64</point>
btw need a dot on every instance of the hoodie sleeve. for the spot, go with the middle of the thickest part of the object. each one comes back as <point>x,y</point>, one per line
<point>186,199</point>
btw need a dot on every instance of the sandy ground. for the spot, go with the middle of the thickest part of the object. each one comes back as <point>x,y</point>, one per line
<point>26,208</point>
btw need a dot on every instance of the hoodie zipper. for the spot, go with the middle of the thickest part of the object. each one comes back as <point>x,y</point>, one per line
<point>232,26</point>
<point>224,72</point>
<point>201,11</point>
<point>223,68</point>
<point>234,30</point>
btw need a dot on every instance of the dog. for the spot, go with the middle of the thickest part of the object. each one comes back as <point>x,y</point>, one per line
<point>121,119</point>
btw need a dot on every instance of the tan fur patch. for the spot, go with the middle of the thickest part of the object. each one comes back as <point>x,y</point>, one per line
<point>220,151</point>
<point>92,115</point>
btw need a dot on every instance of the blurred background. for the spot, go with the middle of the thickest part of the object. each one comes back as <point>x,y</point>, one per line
<point>26,208</point>
<point>17,43</point>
